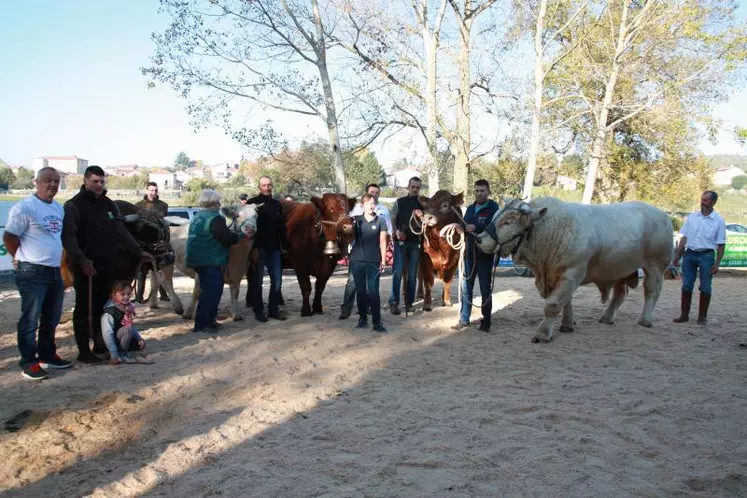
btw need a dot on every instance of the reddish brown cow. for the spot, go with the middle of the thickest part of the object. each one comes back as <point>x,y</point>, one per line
<point>318,234</point>
<point>438,258</point>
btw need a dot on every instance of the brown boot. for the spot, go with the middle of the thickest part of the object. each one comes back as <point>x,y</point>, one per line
<point>686,300</point>
<point>705,301</point>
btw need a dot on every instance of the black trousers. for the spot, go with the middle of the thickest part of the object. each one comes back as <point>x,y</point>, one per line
<point>100,290</point>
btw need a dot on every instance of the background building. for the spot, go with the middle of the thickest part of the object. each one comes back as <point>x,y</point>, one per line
<point>66,164</point>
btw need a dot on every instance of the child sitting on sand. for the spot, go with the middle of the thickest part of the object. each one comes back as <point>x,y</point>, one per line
<point>117,327</point>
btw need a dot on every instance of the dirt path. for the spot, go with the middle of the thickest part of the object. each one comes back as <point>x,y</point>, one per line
<point>315,407</point>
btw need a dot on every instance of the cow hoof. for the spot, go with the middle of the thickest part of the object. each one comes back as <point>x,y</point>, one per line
<point>541,340</point>
<point>448,305</point>
<point>179,311</point>
<point>306,312</point>
<point>564,328</point>
<point>317,312</point>
<point>607,321</point>
<point>238,318</point>
<point>155,307</point>
<point>427,308</point>
<point>645,323</point>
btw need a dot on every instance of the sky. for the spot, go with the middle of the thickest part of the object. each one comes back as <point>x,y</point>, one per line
<point>70,84</point>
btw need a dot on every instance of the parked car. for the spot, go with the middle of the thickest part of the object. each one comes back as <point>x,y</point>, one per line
<point>736,228</point>
<point>183,212</point>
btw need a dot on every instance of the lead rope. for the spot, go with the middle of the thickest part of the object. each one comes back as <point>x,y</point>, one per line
<point>448,233</point>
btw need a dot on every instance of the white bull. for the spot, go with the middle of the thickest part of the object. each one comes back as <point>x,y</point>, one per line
<point>238,257</point>
<point>567,245</point>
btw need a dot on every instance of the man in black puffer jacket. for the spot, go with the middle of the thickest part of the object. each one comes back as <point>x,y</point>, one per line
<point>95,238</point>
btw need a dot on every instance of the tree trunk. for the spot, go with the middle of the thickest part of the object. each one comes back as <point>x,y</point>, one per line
<point>329,101</point>
<point>539,78</point>
<point>600,136</point>
<point>431,49</point>
<point>463,116</point>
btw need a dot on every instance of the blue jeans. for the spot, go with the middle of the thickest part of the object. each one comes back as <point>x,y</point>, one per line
<point>484,272</point>
<point>272,259</point>
<point>694,262</point>
<point>348,298</point>
<point>42,293</point>
<point>211,290</point>
<point>366,276</point>
<point>405,253</point>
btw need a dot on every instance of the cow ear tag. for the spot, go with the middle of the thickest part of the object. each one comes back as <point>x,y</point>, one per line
<point>110,215</point>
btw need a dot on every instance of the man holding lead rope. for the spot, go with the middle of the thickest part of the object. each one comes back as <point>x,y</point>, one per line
<point>476,263</point>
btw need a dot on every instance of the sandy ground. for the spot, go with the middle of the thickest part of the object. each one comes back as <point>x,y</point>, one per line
<point>315,407</point>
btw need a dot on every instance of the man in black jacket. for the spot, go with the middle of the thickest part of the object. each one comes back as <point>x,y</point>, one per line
<point>94,237</point>
<point>268,243</point>
<point>406,245</point>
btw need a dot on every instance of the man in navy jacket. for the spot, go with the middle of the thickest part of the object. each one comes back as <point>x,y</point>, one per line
<point>476,263</point>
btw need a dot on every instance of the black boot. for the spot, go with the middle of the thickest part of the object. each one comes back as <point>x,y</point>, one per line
<point>705,301</point>
<point>686,301</point>
<point>82,340</point>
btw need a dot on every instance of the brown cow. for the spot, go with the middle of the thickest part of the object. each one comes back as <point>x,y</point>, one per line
<point>318,233</point>
<point>438,258</point>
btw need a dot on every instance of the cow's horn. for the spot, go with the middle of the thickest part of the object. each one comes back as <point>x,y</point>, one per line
<point>131,218</point>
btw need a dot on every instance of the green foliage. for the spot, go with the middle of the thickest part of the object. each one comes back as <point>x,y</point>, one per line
<point>196,185</point>
<point>237,180</point>
<point>7,177</point>
<point>506,175</point>
<point>182,161</point>
<point>361,170</point>
<point>135,182</point>
<point>739,182</point>
<point>24,179</point>
<point>299,173</point>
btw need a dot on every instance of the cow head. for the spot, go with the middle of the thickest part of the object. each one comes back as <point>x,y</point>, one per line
<point>242,216</point>
<point>146,226</point>
<point>439,209</point>
<point>335,224</point>
<point>508,227</point>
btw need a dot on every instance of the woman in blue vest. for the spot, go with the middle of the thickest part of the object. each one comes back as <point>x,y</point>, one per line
<point>207,252</point>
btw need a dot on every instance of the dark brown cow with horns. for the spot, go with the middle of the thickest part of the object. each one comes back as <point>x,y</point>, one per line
<point>318,233</point>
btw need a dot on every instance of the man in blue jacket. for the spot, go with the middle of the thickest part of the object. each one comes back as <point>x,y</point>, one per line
<point>476,263</point>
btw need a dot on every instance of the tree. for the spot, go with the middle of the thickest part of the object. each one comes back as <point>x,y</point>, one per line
<point>226,53</point>
<point>7,177</point>
<point>362,170</point>
<point>466,13</point>
<point>739,182</point>
<point>196,185</point>
<point>403,54</point>
<point>551,45</point>
<point>642,55</point>
<point>182,160</point>
<point>24,179</point>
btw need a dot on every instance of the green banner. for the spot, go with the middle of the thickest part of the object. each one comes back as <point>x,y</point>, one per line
<point>735,253</point>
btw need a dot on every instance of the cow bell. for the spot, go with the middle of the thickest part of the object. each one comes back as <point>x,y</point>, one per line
<point>331,247</point>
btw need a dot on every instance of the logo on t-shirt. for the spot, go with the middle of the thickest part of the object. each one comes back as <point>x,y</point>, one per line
<point>52,223</point>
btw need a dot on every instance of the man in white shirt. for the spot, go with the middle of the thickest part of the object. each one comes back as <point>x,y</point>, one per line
<point>382,211</point>
<point>703,233</point>
<point>33,236</point>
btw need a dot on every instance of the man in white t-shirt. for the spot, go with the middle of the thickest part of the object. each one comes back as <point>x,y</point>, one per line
<point>33,236</point>
<point>382,211</point>
<point>703,233</point>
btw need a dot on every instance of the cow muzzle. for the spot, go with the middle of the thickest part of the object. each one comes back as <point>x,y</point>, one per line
<point>430,220</point>
<point>331,248</point>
